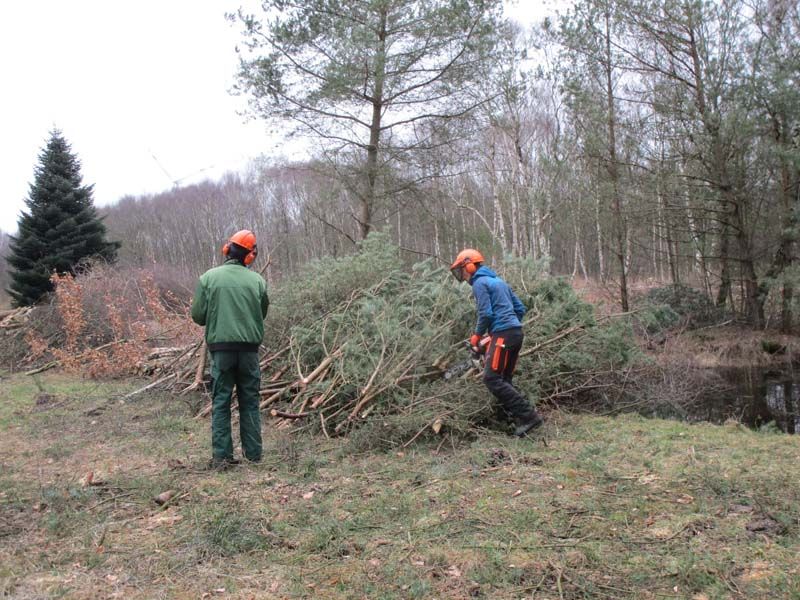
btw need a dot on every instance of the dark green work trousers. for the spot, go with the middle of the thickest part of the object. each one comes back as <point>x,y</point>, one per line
<point>229,368</point>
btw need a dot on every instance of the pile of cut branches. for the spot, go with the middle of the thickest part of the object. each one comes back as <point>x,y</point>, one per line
<point>355,344</point>
<point>362,340</point>
<point>14,318</point>
<point>102,322</point>
<point>14,323</point>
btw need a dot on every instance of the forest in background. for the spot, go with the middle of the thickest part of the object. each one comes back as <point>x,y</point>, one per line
<point>629,143</point>
<point>626,141</point>
<point>4,240</point>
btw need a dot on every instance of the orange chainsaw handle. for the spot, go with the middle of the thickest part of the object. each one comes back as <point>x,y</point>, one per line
<point>482,345</point>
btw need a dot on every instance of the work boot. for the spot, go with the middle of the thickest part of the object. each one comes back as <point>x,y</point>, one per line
<point>528,422</point>
<point>222,464</point>
<point>501,416</point>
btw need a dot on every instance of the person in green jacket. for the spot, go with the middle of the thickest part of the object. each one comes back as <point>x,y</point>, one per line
<point>231,302</point>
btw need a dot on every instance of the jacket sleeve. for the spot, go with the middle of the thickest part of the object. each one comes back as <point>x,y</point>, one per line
<point>264,301</point>
<point>519,307</point>
<point>199,304</point>
<point>484,304</point>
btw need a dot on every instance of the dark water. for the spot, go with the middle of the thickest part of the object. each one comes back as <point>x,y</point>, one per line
<point>754,397</point>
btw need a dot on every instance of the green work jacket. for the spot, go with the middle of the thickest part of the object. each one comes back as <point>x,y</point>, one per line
<point>231,302</point>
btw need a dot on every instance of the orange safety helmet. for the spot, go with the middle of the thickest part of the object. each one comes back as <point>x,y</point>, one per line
<point>247,240</point>
<point>467,260</point>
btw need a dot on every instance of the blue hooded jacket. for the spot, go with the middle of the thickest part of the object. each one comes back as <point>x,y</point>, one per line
<point>499,308</point>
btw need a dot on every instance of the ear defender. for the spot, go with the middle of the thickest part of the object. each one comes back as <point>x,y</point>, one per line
<point>226,248</point>
<point>470,268</point>
<point>251,256</point>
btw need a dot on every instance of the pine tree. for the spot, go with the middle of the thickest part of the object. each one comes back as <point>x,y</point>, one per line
<point>61,228</point>
<point>373,82</point>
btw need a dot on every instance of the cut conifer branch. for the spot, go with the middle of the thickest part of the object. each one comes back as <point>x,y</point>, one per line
<point>287,415</point>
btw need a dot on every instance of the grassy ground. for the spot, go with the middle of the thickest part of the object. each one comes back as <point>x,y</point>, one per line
<point>607,508</point>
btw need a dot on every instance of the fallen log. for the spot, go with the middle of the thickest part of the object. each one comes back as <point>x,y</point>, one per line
<point>187,355</point>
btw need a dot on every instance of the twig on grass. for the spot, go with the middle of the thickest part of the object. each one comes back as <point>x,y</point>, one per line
<point>43,368</point>
<point>645,542</point>
<point>110,499</point>
<point>173,500</point>
<point>322,424</point>
<point>149,386</point>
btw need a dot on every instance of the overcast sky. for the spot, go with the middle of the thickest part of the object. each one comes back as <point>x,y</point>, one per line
<point>139,89</point>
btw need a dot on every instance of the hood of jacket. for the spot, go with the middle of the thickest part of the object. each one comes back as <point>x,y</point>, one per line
<point>482,272</point>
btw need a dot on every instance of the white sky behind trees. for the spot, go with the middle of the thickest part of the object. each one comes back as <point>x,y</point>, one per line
<point>126,82</point>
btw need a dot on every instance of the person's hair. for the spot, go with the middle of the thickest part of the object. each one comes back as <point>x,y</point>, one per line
<point>237,252</point>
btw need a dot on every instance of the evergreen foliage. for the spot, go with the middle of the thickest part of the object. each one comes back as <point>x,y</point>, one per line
<point>61,229</point>
<point>373,82</point>
<point>675,304</point>
<point>398,330</point>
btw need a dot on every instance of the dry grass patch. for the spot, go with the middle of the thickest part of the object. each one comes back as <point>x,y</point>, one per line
<point>607,508</point>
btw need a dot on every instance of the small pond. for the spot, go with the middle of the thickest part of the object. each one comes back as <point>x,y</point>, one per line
<point>755,397</point>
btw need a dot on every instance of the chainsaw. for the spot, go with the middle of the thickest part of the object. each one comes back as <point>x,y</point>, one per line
<point>475,361</point>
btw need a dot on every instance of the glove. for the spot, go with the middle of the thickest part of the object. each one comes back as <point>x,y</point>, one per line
<point>474,340</point>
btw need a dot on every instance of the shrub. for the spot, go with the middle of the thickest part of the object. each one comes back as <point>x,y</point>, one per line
<point>102,321</point>
<point>677,304</point>
<point>657,317</point>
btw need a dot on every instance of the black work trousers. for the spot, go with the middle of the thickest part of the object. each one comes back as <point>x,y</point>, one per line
<point>501,360</point>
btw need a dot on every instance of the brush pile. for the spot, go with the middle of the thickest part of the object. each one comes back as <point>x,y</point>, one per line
<point>362,341</point>
<point>14,318</point>
<point>103,322</point>
<point>13,325</point>
<point>356,345</point>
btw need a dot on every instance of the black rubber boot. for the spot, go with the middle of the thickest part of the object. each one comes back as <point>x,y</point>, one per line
<point>525,424</point>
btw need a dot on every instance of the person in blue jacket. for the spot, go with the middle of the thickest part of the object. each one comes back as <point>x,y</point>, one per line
<point>500,315</point>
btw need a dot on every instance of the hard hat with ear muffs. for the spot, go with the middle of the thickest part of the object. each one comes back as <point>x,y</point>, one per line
<point>468,260</point>
<point>245,239</point>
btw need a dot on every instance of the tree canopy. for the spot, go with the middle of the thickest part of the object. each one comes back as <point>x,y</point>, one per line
<point>373,80</point>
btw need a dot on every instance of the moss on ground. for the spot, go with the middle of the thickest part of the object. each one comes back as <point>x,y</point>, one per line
<point>593,508</point>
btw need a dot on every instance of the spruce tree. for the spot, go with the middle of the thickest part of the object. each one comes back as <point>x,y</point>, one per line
<point>61,228</point>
